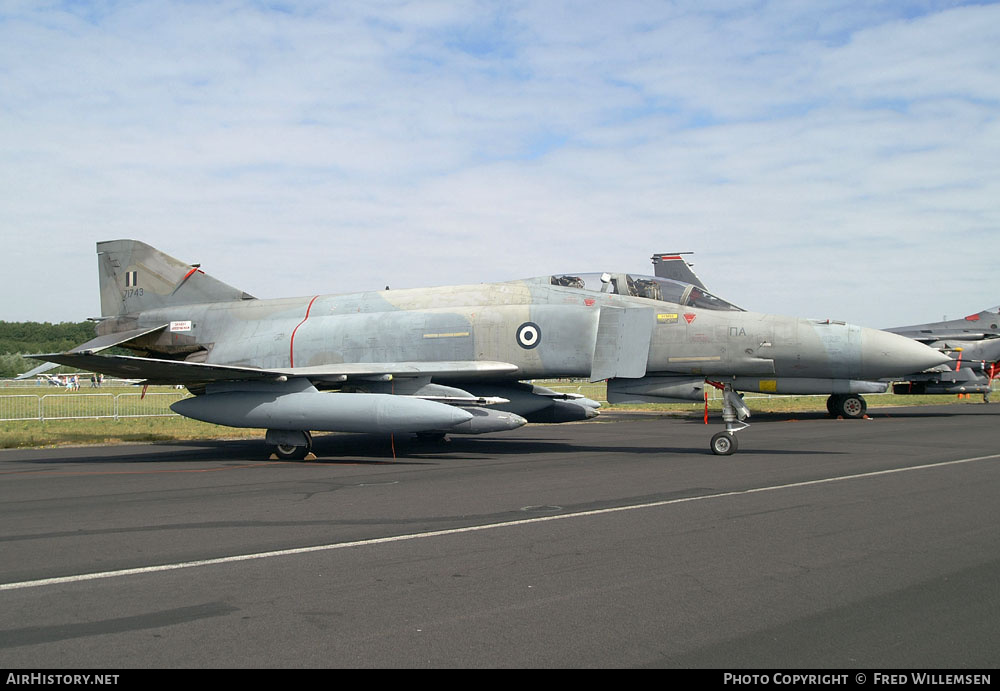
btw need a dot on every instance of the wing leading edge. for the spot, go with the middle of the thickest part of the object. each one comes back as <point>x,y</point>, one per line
<point>157,371</point>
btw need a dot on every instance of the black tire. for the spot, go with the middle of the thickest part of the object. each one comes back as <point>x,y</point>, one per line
<point>833,405</point>
<point>724,444</point>
<point>852,406</point>
<point>287,452</point>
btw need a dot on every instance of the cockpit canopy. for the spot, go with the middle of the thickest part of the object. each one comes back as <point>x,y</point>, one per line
<point>651,287</point>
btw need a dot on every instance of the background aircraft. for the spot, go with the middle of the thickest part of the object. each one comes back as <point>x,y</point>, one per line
<point>973,344</point>
<point>976,327</point>
<point>452,359</point>
<point>675,267</point>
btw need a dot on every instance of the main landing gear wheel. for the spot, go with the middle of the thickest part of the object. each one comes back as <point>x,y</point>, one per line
<point>831,405</point>
<point>849,406</point>
<point>724,444</point>
<point>286,451</point>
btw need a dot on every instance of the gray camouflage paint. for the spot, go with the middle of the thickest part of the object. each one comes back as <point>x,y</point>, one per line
<point>473,323</point>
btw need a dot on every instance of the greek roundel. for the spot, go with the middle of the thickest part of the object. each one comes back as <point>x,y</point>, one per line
<point>529,335</point>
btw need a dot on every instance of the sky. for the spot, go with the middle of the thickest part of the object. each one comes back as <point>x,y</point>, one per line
<point>821,159</point>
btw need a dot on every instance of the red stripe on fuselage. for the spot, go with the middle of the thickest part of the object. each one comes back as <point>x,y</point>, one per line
<point>291,342</point>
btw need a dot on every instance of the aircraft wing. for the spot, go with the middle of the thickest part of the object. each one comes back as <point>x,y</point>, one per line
<point>929,338</point>
<point>157,371</point>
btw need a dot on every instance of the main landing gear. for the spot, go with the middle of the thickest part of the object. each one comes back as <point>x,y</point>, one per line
<point>290,445</point>
<point>846,405</point>
<point>734,411</point>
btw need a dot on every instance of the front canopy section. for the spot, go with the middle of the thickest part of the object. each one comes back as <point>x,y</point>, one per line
<point>636,285</point>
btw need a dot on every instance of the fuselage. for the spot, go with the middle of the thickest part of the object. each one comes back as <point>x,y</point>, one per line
<point>545,330</point>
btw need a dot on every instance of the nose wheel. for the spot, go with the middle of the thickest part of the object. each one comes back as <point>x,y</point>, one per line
<point>724,444</point>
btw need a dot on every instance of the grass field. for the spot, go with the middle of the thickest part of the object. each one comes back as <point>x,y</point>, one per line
<point>75,427</point>
<point>108,430</point>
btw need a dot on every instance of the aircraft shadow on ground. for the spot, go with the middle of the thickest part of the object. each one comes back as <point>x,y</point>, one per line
<point>357,449</point>
<point>819,416</point>
<point>463,448</point>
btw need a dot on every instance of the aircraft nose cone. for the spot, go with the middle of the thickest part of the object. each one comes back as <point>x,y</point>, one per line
<point>885,354</point>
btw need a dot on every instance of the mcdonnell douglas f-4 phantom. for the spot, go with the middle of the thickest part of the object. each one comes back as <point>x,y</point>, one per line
<point>450,359</point>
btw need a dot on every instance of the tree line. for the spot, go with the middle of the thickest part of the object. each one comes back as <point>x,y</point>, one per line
<point>20,338</point>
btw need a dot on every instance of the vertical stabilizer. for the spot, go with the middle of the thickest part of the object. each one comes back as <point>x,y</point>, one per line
<point>673,265</point>
<point>136,277</point>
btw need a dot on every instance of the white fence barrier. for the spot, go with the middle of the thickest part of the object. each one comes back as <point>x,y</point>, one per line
<point>58,381</point>
<point>153,405</point>
<point>21,407</point>
<point>87,406</point>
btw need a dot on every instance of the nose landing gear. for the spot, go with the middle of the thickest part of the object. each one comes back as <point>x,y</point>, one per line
<point>734,411</point>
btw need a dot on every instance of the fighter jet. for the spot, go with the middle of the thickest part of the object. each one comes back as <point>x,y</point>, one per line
<point>973,346</point>
<point>976,327</point>
<point>450,360</point>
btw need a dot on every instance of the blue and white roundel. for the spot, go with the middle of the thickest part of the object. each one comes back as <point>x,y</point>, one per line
<point>529,335</point>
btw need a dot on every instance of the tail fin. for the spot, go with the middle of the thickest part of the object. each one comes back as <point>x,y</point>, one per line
<point>136,277</point>
<point>674,266</point>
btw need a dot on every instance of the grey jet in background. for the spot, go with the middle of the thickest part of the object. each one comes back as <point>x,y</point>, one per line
<point>455,359</point>
<point>972,344</point>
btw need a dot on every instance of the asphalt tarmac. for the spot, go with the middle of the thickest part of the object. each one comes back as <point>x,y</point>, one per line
<point>621,543</point>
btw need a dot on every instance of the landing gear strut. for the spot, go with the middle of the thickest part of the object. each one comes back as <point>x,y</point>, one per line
<point>848,406</point>
<point>734,411</point>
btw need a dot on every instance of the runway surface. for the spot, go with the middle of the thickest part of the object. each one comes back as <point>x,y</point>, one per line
<point>625,543</point>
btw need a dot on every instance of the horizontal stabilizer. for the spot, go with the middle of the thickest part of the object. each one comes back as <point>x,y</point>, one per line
<point>38,370</point>
<point>96,345</point>
<point>106,341</point>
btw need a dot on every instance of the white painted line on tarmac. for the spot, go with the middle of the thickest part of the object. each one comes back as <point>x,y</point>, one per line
<point>469,529</point>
